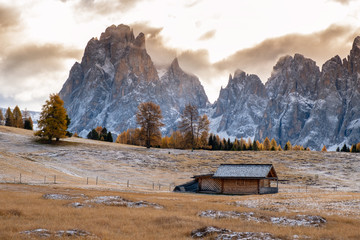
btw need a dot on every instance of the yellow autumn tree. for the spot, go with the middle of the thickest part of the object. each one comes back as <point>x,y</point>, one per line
<point>52,122</point>
<point>324,149</point>
<point>267,144</point>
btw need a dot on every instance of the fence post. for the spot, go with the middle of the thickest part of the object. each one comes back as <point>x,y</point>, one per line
<point>170,187</point>
<point>54,179</point>
<point>20,177</point>
<point>159,186</point>
<point>96,180</point>
<point>127,183</point>
<point>14,180</point>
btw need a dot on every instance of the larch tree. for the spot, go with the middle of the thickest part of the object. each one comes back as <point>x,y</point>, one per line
<point>52,122</point>
<point>273,145</point>
<point>324,149</point>
<point>9,118</point>
<point>149,118</point>
<point>288,146</point>
<point>18,119</point>
<point>193,126</point>
<point>267,144</point>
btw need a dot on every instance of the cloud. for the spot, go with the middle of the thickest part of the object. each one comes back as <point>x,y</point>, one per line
<point>192,3</point>
<point>105,7</point>
<point>161,54</point>
<point>319,46</point>
<point>33,59</point>
<point>344,2</point>
<point>9,22</point>
<point>9,17</point>
<point>208,35</point>
<point>29,72</point>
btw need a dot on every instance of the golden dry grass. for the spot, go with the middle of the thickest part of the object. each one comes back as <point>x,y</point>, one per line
<point>22,208</point>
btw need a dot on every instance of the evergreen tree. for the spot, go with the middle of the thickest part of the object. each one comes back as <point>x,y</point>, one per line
<point>249,145</point>
<point>68,121</point>
<point>1,117</point>
<point>52,122</point>
<point>345,148</point>
<point>353,148</point>
<point>28,123</point>
<point>149,118</point>
<point>18,119</point>
<point>93,135</point>
<point>109,137</point>
<point>338,149</point>
<point>210,141</point>
<point>9,118</point>
<point>255,146</point>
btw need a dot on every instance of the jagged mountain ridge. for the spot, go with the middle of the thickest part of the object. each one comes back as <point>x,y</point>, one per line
<point>299,102</point>
<point>115,75</point>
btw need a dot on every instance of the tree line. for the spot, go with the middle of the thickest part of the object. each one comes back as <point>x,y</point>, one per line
<point>192,133</point>
<point>193,129</point>
<point>16,119</point>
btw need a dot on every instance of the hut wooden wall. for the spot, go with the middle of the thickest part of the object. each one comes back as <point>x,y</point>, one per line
<point>241,186</point>
<point>208,184</point>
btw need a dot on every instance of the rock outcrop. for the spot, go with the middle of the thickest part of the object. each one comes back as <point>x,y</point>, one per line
<point>299,102</point>
<point>240,106</point>
<point>115,75</point>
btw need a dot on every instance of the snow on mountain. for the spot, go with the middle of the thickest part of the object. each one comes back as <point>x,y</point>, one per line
<point>299,102</point>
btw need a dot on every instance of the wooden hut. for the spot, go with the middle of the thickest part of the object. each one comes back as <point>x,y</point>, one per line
<point>239,179</point>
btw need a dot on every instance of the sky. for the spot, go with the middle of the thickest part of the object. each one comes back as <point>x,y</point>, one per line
<point>41,39</point>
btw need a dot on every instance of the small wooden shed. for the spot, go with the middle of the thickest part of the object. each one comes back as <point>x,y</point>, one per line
<point>239,179</point>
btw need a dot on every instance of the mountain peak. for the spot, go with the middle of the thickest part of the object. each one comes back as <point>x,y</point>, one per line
<point>356,42</point>
<point>175,63</point>
<point>121,32</point>
<point>140,41</point>
<point>239,73</point>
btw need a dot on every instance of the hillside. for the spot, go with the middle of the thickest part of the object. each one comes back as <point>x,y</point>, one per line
<point>73,160</point>
<point>71,208</point>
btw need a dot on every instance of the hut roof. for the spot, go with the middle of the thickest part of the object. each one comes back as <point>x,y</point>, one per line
<point>245,171</point>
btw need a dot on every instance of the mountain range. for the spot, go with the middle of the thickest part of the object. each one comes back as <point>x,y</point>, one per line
<point>299,102</point>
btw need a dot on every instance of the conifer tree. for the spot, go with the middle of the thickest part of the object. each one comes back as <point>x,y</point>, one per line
<point>353,148</point>
<point>109,137</point>
<point>18,119</point>
<point>255,146</point>
<point>9,118</point>
<point>324,149</point>
<point>288,146</point>
<point>52,122</point>
<point>28,123</point>
<point>267,144</point>
<point>273,145</point>
<point>149,118</point>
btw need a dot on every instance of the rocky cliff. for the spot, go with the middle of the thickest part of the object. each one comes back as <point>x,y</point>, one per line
<point>299,102</point>
<point>115,75</point>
